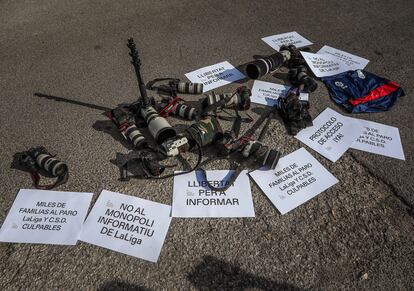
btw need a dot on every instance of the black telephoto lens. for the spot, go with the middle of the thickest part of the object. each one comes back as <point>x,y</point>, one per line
<point>266,64</point>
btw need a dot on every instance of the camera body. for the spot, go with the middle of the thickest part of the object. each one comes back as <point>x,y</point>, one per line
<point>262,154</point>
<point>298,76</point>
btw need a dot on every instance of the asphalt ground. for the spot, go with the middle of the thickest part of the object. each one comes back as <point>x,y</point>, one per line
<point>356,235</point>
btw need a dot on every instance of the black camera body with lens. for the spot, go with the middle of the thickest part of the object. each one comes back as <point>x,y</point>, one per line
<point>298,76</point>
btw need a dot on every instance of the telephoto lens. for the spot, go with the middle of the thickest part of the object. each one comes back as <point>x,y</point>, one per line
<point>266,64</point>
<point>177,107</point>
<point>204,132</point>
<point>47,162</point>
<point>239,100</point>
<point>262,154</point>
<point>128,129</point>
<point>158,126</point>
<point>299,76</point>
<point>188,87</point>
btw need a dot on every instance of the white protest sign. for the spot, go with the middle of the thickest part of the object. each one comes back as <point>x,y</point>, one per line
<point>193,198</point>
<point>331,134</point>
<point>379,139</point>
<point>267,93</point>
<point>215,76</point>
<point>351,61</point>
<point>276,41</point>
<point>324,65</point>
<point>128,225</point>
<point>297,178</point>
<point>46,217</point>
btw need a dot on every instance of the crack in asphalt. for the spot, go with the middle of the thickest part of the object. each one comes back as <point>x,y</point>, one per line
<point>18,269</point>
<point>392,188</point>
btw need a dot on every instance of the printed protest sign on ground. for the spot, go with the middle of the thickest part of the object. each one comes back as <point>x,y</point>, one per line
<point>297,178</point>
<point>48,217</point>
<point>323,65</point>
<point>128,224</point>
<point>193,198</point>
<point>277,40</point>
<point>352,62</point>
<point>215,76</point>
<point>330,61</point>
<point>331,134</point>
<point>379,139</point>
<point>267,93</point>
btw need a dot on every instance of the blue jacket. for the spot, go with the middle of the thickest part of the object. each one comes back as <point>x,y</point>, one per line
<point>362,91</point>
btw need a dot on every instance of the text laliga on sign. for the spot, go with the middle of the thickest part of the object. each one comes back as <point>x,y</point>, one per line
<point>49,217</point>
<point>297,178</point>
<point>127,224</point>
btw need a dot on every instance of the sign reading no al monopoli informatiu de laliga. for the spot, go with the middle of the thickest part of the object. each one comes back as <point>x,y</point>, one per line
<point>128,224</point>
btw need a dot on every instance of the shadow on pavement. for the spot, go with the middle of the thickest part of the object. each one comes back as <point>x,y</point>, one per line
<point>216,274</point>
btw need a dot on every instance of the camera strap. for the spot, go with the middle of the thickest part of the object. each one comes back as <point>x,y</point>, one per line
<point>151,169</point>
<point>244,162</point>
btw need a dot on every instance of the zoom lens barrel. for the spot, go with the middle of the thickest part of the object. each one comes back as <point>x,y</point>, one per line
<point>127,127</point>
<point>204,132</point>
<point>186,112</point>
<point>135,136</point>
<point>52,166</point>
<point>189,88</point>
<point>158,126</point>
<point>266,64</point>
<point>239,100</point>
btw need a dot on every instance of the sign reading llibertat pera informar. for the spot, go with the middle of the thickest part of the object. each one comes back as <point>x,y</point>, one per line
<point>192,197</point>
<point>215,76</point>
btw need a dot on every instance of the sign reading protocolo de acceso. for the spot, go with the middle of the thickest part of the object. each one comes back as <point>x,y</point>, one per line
<point>331,134</point>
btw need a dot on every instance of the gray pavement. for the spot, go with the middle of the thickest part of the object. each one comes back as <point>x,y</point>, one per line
<point>356,235</point>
